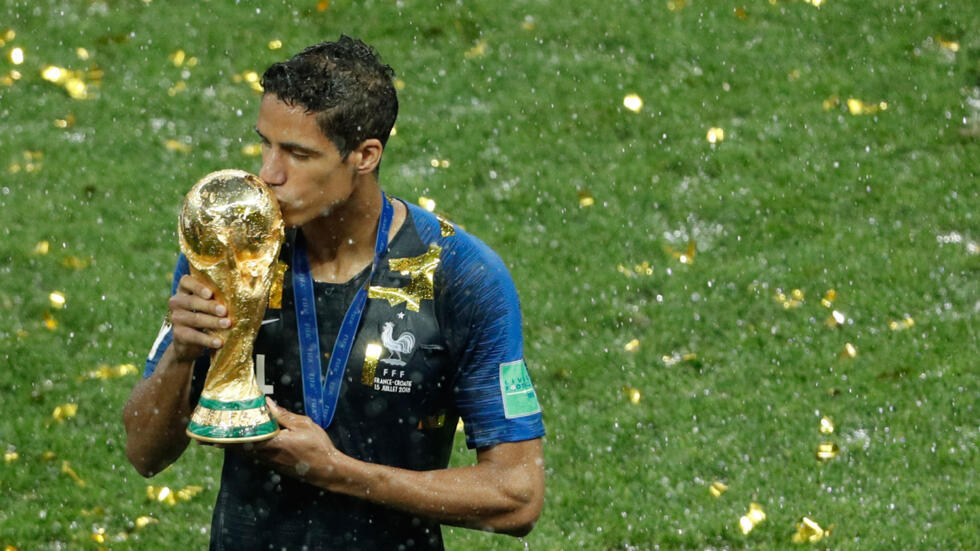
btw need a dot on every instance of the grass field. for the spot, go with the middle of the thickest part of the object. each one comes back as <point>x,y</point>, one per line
<point>671,287</point>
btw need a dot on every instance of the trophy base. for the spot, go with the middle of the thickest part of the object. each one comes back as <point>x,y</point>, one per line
<point>221,422</point>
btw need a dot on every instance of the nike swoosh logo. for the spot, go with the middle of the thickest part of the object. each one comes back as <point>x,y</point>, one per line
<point>267,322</point>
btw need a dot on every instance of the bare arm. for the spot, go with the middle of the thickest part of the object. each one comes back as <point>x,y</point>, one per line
<point>503,492</point>
<point>158,409</point>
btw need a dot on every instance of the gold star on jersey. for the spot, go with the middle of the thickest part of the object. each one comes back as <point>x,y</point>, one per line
<point>420,269</point>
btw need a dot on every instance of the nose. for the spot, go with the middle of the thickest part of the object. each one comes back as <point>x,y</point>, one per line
<point>272,172</point>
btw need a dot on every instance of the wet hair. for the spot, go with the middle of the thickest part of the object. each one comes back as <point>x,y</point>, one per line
<point>345,84</point>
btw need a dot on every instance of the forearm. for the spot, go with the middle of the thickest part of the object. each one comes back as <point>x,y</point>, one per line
<point>156,416</point>
<point>495,496</point>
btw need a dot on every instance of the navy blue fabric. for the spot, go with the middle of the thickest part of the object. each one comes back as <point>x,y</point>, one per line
<point>404,417</point>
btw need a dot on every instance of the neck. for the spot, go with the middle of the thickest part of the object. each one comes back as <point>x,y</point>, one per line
<point>340,243</point>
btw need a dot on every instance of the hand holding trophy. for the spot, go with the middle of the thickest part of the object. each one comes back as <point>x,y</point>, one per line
<point>231,231</point>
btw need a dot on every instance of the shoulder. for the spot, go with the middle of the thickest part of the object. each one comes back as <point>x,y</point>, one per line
<point>464,258</point>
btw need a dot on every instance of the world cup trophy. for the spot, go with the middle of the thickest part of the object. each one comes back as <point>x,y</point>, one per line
<point>231,230</point>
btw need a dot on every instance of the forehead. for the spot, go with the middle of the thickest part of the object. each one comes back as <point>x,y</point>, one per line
<point>281,122</point>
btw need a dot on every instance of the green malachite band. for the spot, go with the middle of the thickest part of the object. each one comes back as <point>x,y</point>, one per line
<point>233,406</point>
<point>233,432</point>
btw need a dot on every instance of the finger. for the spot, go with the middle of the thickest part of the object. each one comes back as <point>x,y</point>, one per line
<point>283,416</point>
<point>194,286</point>
<point>194,303</point>
<point>198,320</point>
<point>188,336</point>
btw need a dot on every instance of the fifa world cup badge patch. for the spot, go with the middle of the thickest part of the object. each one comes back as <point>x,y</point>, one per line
<point>520,400</point>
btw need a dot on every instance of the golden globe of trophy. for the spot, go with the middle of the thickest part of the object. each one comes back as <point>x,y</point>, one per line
<point>231,230</point>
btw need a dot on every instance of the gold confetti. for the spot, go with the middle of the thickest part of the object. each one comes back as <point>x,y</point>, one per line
<point>57,299</point>
<point>66,122</point>
<point>10,78</point>
<point>41,248</point>
<point>161,494</point>
<point>632,394</point>
<point>632,346</point>
<point>808,531</point>
<point>676,5</point>
<point>717,488</point>
<point>849,351</point>
<point>275,44</point>
<point>252,150</point>
<point>371,354</point>
<point>478,50</point>
<point>750,520</point>
<point>98,535</point>
<point>828,298</point>
<point>50,323</point>
<point>178,58</point>
<point>906,323</point>
<point>174,145</point>
<point>686,257</point>
<point>322,5</point>
<point>643,268</point>
<point>394,131</point>
<point>48,456</point>
<point>815,3</point>
<point>827,451</point>
<point>858,107</point>
<point>585,198</point>
<point>826,425</point>
<point>6,36</point>
<point>112,372</point>
<point>66,469</point>
<point>795,74</point>
<point>528,23</point>
<point>439,163</point>
<point>181,86</point>
<point>794,300</point>
<point>831,102</point>
<point>71,81</point>
<point>950,45</point>
<point>82,54</point>
<point>10,457</point>
<point>741,14</point>
<point>399,84</point>
<point>75,263</point>
<point>251,78</point>
<point>64,411</point>
<point>189,492</point>
<point>633,102</point>
<point>421,269</point>
<point>16,56</point>
<point>427,203</point>
<point>836,319</point>
<point>143,522</point>
<point>676,358</point>
<point>715,135</point>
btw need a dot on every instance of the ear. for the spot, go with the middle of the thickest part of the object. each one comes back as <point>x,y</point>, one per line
<point>367,156</point>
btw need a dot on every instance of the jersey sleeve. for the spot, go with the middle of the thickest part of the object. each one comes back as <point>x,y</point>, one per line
<point>165,335</point>
<point>493,391</point>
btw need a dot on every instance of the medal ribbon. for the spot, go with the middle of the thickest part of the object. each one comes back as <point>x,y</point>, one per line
<point>320,393</point>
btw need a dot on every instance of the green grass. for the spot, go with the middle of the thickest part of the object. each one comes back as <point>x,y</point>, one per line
<point>795,197</point>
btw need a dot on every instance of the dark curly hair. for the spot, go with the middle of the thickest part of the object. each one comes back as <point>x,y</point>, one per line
<point>345,84</point>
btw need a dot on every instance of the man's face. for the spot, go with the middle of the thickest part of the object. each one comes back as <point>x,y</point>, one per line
<point>300,165</point>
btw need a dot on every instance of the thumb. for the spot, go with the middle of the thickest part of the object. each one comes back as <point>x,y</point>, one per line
<point>283,416</point>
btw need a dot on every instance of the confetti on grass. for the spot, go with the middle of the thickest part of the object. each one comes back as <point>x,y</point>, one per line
<point>753,518</point>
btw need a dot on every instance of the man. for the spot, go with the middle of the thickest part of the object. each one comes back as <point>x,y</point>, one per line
<point>438,339</point>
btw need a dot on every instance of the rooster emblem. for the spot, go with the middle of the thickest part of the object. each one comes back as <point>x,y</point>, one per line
<point>404,344</point>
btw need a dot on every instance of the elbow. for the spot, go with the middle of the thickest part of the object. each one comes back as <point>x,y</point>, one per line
<point>139,462</point>
<point>526,509</point>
